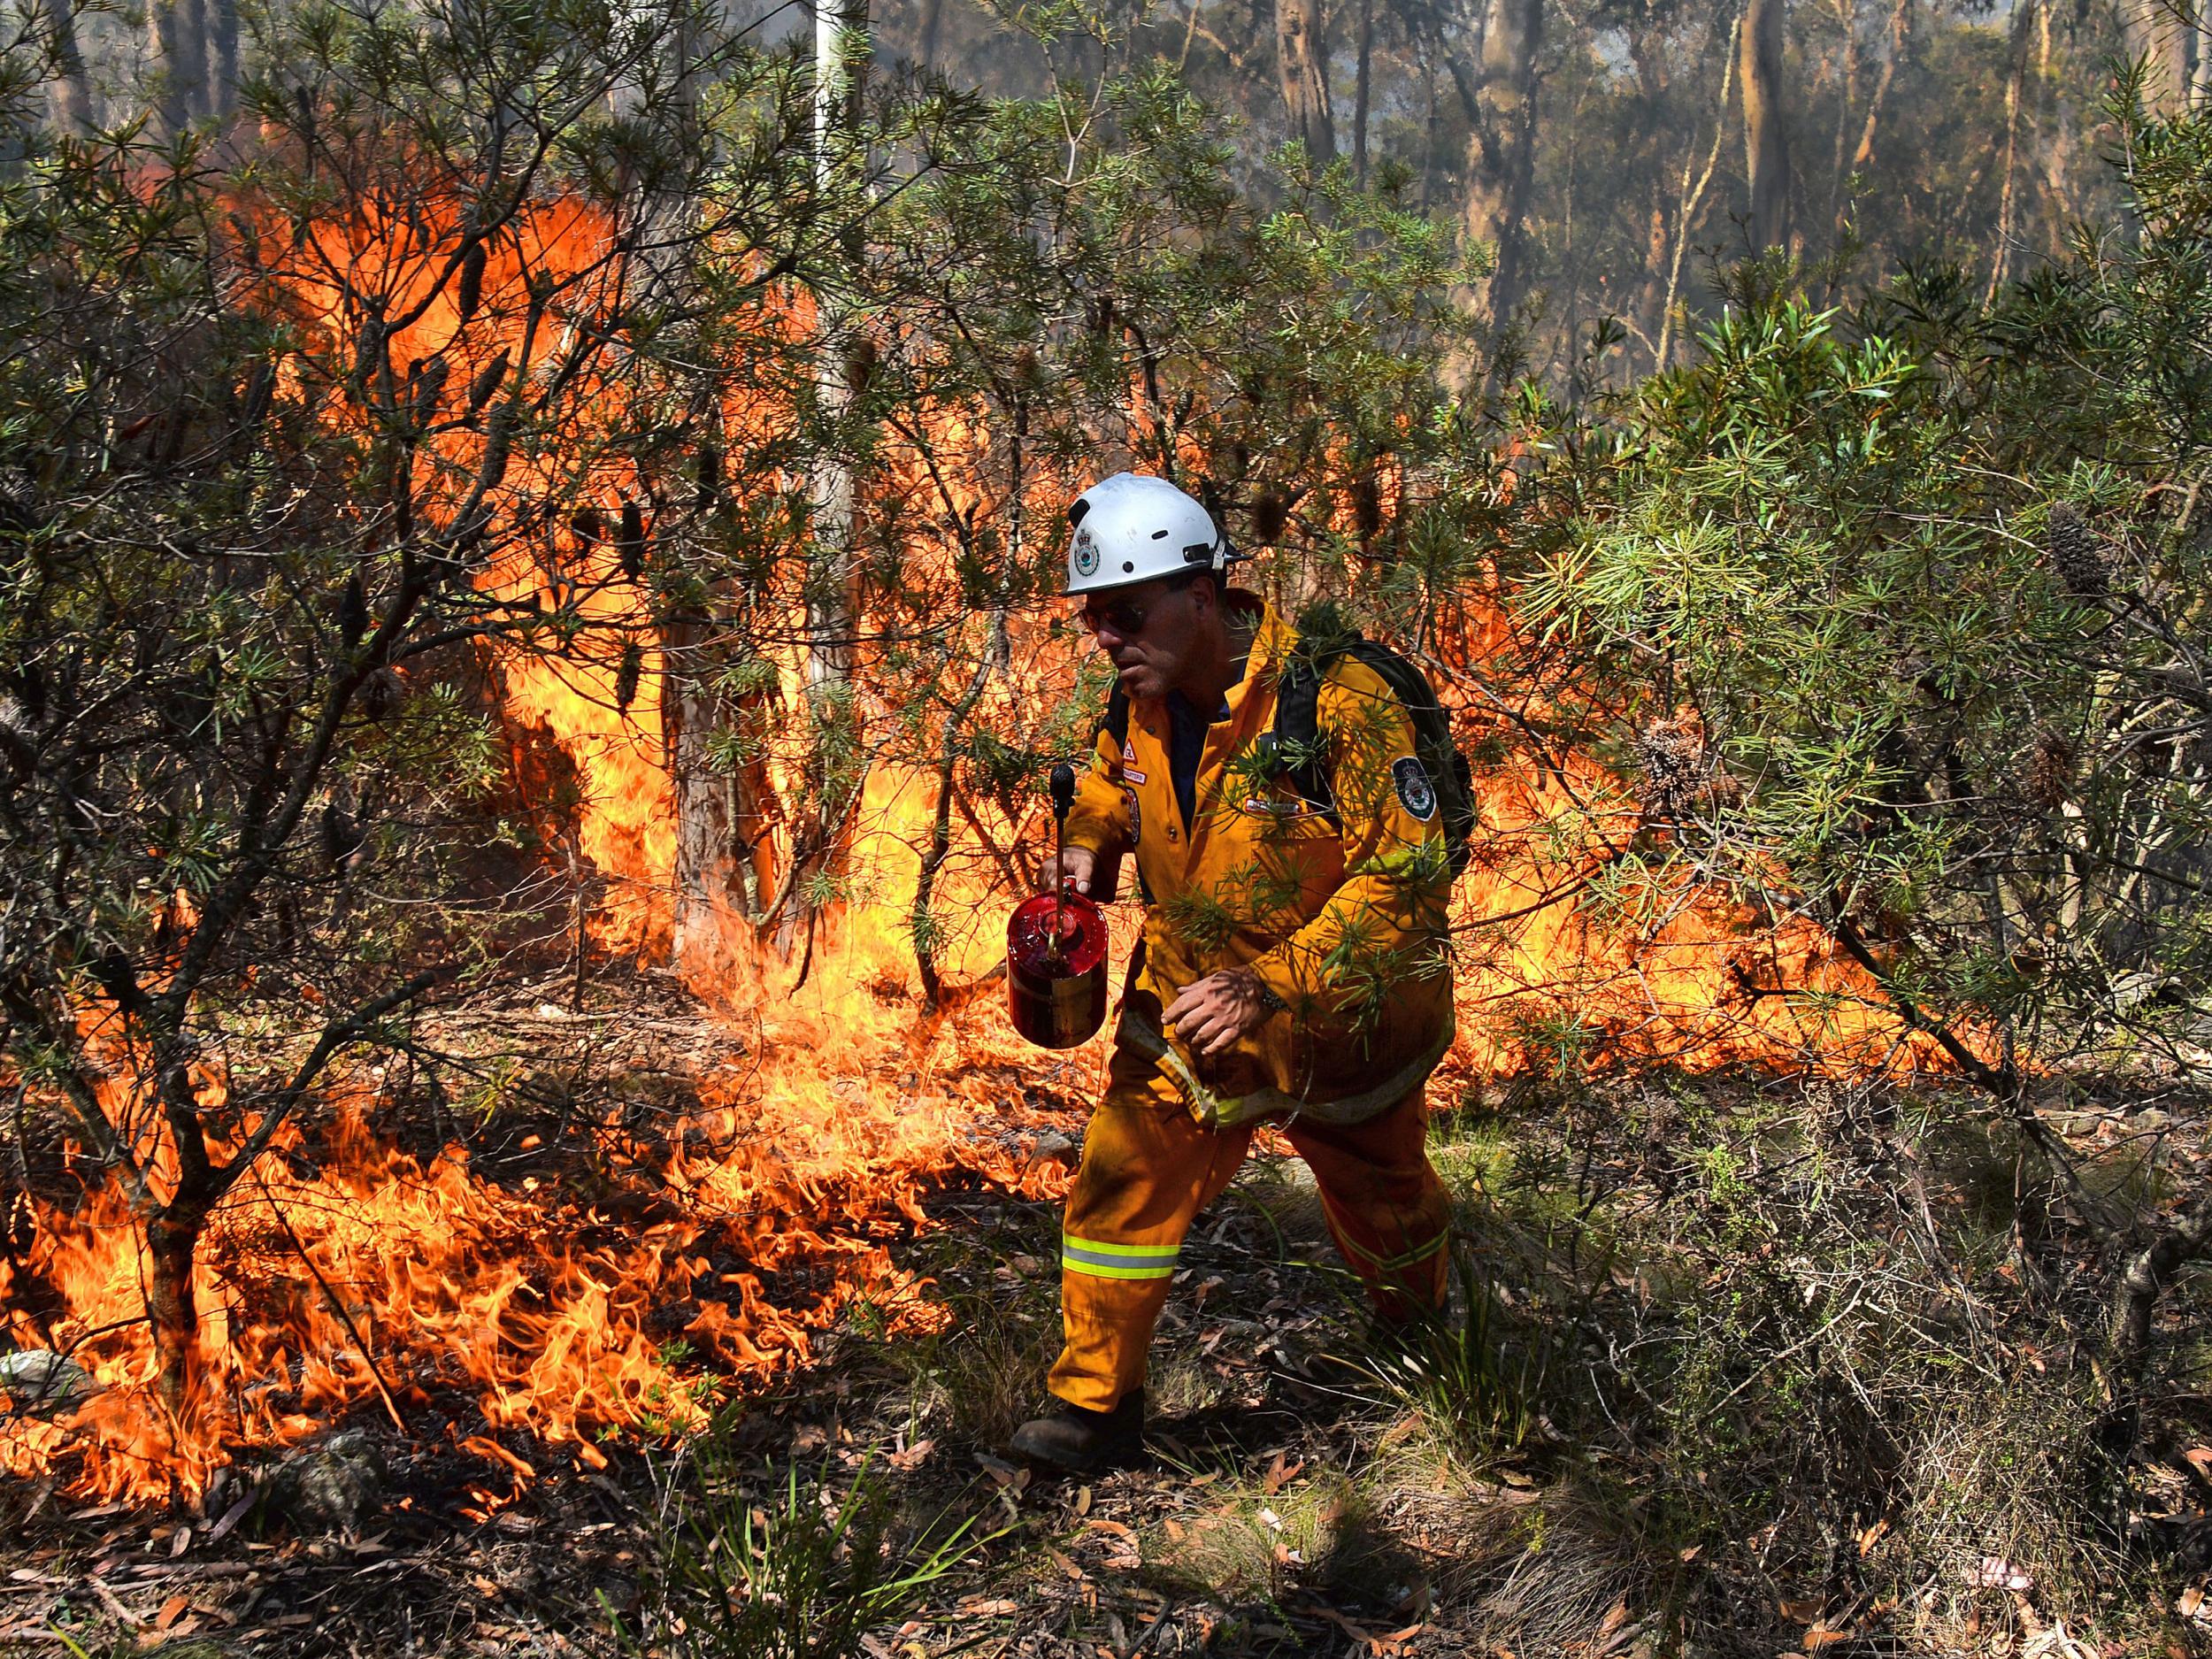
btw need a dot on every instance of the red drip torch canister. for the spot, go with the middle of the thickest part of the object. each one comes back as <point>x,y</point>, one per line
<point>1056,953</point>
<point>1056,969</point>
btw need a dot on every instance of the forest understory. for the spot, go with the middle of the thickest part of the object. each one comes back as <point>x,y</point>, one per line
<point>1754,1366</point>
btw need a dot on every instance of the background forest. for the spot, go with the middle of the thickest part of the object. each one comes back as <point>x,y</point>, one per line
<point>529,546</point>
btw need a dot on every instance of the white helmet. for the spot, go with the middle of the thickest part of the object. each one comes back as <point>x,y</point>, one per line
<point>1131,528</point>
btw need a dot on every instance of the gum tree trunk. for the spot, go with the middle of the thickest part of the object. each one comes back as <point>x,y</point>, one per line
<point>1301,61</point>
<point>1766,144</point>
<point>1501,104</point>
<point>71,91</point>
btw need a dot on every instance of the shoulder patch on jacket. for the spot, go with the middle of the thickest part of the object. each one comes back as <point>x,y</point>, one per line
<point>1415,793</point>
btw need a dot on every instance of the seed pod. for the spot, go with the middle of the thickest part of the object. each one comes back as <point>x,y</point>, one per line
<point>2075,553</point>
<point>353,611</point>
<point>585,526</point>
<point>1367,506</point>
<point>2050,769</point>
<point>1102,313</point>
<point>381,694</point>
<point>860,362</point>
<point>630,544</point>
<point>1271,516</point>
<point>1027,371</point>
<point>341,836</point>
<point>626,677</point>
<point>1671,753</point>
<point>471,294</point>
<point>707,474</point>
<point>429,383</point>
<point>496,445</point>
<point>486,383</point>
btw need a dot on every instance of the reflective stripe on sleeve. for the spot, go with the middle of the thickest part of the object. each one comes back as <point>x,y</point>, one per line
<point>1117,1261</point>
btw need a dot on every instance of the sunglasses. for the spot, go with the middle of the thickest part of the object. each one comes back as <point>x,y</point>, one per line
<point>1125,617</point>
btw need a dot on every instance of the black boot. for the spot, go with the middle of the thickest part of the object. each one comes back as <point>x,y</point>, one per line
<point>1076,1441</point>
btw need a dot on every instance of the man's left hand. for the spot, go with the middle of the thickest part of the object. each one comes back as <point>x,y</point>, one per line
<point>1211,1013</point>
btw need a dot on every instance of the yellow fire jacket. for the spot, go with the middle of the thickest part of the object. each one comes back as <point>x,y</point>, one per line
<point>1342,920</point>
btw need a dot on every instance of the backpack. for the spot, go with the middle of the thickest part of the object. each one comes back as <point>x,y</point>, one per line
<point>1297,734</point>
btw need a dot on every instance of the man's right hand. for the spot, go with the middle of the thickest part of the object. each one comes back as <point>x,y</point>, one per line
<point>1077,863</point>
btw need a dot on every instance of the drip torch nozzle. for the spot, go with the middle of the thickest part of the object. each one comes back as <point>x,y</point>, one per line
<point>1063,799</point>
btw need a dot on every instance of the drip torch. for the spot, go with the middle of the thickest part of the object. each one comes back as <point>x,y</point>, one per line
<point>1056,950</point>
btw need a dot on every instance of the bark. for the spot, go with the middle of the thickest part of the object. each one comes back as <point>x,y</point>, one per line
<point>1501,104</point>
<point>172,1305</point>
<point>2197,22</point>
<point>832,601</point>
<point>70,92</point>
<point>1301,62</point>
<point>222,59</point>
<point>2165,35</point>
<point>2127,1344</point>
<point>1900,38</point>
<point>1692,199</point>
<point>725,819</point>
<point>1361,105</point>
<point>177,51</point>
<point>194,41</point>
<point>2022,22</point>
<point>1766,143</point>
<point>940,845</point>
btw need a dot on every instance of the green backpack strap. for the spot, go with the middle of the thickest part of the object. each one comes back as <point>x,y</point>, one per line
<point>1298,746</point>
<point>1117,720</point>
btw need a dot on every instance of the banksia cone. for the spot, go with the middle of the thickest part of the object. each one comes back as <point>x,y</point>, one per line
<point>1367,506</point>
<point>625,676</point>
<point>2075,553</point>
<point>353,611</point>
<point>708,477</point>
<point>486,383</point>
<point>1270,515</point>
<point>585,526</point>
<point>2049,776</point>
<point>342,837</point>
<point>381,694</point>
<point>429,386</point>
<point>471,294</point>
<point>631,543</point>
<point>1671,753</point>
<point>860,362</point>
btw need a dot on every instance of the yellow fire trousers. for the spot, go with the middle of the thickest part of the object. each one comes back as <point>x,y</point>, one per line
<point>1147,1169</point>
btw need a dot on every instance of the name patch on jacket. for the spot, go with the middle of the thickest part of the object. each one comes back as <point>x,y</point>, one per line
<point>1415,793</point>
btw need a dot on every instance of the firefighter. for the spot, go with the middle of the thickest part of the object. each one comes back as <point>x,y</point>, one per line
<point>1291,965</point>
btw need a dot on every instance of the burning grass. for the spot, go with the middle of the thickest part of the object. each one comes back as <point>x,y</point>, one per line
<point>603,1283</point>
<point>1686,1473</point>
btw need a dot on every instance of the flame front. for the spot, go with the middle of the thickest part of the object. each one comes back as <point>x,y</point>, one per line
<point>345,1274</point>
